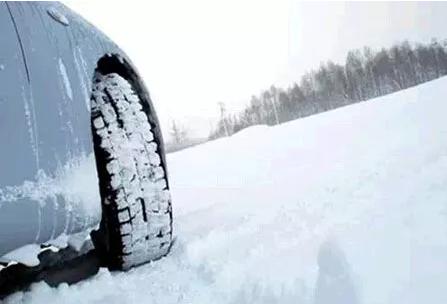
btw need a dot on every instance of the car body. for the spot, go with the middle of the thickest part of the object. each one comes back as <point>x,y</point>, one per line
<point>48,181</point>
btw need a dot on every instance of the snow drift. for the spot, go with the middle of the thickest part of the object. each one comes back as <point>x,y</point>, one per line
<point>348,206</point>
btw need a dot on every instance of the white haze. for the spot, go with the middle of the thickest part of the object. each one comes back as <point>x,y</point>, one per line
<point>193,54</point>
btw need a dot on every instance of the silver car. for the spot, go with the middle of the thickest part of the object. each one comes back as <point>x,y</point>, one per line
<point>82,162</point>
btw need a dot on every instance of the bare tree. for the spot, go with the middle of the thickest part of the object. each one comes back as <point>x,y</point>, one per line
<point>274,94</point>
<point>223,117</point>
<point>179,133</point>
<point>365,74</point>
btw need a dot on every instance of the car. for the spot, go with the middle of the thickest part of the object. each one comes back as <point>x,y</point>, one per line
<point>83,173</point>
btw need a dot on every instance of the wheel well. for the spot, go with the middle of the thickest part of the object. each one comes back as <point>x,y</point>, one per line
<point>115,64</point>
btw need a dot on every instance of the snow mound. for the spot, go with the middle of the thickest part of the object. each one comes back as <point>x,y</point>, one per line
<point>348,206</point>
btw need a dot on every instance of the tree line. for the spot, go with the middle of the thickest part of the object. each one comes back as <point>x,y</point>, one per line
<point>366,74</point>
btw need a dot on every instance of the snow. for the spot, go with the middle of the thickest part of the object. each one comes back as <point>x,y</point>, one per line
<point>26,255</point>
<point>84,77</point>
<point>30,116</point>
<point>65,79</point>
<point>76,182</point>
<point>348,206</point>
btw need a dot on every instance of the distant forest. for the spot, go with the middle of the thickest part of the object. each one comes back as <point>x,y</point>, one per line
<point>366,74</point>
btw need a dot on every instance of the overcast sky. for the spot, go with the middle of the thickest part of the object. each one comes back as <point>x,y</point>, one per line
<point>193,54</point>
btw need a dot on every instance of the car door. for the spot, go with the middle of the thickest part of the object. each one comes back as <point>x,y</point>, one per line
<point>44,129</point>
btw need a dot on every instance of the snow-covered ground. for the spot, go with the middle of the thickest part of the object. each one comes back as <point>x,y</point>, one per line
<point>348,206</point>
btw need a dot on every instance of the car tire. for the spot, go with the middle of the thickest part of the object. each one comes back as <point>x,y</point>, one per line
<point>136,224</point>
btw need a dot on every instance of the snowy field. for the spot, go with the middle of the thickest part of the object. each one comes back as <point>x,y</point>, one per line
<point>348,206</point>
